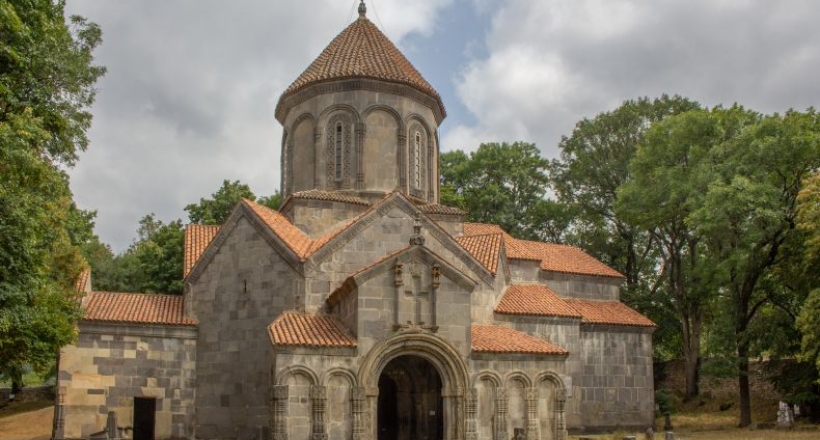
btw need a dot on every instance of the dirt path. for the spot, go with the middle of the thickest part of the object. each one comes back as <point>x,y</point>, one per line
<point>32,425</point>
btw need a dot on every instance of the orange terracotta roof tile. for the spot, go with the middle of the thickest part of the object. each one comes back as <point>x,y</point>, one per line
<point>137,308</point>
<point>500,339</point>
<point>482,229</point>
<point>434,208</point>
<point>534,299</point>
<point>484,248</point>
<point>293,237</point>
<point>296,329</point>
<point>81,285</point>
<point>197,238</point>
<point>331,196</point>
<point>362,51</point>
<point>608,312</point>
<point>553,257</point>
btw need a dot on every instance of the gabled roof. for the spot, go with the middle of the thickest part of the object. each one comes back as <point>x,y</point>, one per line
<point>500,339</point>
<point>608,312</point>
<point>553,257</point>
<point>136,308</point>
<point>362,51</point>
<point>297,329</point>
<point>197,238</point>
<point>485,248</point>
<point>539,300</point>
<point>534,300</point>
<point>403,255</point>
<point>300,247</point>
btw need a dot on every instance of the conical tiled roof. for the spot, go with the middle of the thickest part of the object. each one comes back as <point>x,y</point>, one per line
<point>362,51</point>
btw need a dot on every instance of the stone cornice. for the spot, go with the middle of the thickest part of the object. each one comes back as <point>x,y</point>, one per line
<point>290,100</point>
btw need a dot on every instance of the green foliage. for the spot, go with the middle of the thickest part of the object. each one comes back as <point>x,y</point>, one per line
<point>215,211</point>
<point>594,163</point>
<point>46,68</point>
<point>272,201</point>
<point>503,184</point>
<point>46,86</point>
<point>153,262</point>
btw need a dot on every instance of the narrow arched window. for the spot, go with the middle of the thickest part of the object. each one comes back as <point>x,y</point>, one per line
<point>337,146</point>
<point>417,160</point>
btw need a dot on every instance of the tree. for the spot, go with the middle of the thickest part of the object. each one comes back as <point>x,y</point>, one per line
<point>502,184</point>
<point>749,212</point>
<point>215,211</point>
<point>46,87</point>
<point>666,186</point>
<point>594,163</point>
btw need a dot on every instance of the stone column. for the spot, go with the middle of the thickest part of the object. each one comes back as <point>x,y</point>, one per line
<point>470,408</point>
<point>280,414</point>
<point>402,155</point>
<point>317,155</point>
<point>501,405</point>
<point>318,397</point>
<point>359,399</point>
<point>435,283</point>
<point>560,422</point>
<point>59,415</point>
<point>532,413</point>
<point>398,281</point>
<point>453,400</point>
<point>361,132</point>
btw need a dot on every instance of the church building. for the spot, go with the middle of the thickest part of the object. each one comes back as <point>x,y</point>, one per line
<point>362,309</point>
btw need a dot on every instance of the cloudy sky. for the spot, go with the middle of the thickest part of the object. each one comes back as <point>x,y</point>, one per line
<point>191,86</point>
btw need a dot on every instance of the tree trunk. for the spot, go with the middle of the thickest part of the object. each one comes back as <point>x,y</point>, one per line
<point>691,353</point>
<point>743,385</point>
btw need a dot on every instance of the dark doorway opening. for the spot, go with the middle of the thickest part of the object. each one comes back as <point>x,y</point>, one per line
<point>145,410</point>
<point>410,405</point>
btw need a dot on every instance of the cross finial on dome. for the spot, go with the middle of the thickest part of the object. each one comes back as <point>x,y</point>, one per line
<point>362,9</point>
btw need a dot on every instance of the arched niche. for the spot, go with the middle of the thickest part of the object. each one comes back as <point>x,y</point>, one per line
<point>441,355</point>
<point>302,157</point>
<point>381,149</point>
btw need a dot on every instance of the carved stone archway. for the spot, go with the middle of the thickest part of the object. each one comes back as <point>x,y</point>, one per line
<point>441,355</point>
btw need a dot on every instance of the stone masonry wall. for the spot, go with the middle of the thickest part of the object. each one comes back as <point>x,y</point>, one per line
<point>615,389</point>
<point>318,217</point>
<point>241,291</point>
<point>582,287</point>
<point>111,364</point>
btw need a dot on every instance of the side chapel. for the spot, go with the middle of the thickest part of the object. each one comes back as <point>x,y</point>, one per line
<point>363,309</point>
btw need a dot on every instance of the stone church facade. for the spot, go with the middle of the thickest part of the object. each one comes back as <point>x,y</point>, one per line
<point>362,309</point>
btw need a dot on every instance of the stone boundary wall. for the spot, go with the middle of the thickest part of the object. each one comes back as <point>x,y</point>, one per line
<point>27,394</point>
<point>111,364</point>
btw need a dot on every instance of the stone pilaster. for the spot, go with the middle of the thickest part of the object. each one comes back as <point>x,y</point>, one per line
<point>280,405</point>
<point>560,421</point>
<point>361,133</point>
<point>470,408</point>
<point>318,400</point>
<point>359,399</point>
<point>501,407</point>
<point>317,154</point>
<point>532,413</point>
<point>402,149</point>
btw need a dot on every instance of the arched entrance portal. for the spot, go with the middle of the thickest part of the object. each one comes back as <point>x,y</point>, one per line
<point>410,405</point>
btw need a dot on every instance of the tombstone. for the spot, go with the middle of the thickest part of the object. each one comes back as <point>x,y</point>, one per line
<point>669,435</point>
<point>650,434</point>
<point>667,421</point>
<point>785,418</point>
